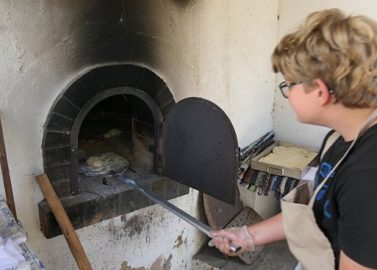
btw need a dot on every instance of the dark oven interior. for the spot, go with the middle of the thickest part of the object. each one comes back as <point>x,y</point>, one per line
<point>122,125</point>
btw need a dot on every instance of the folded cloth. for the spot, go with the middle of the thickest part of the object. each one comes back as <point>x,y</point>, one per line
<point>14,252</point>
<point>10,254</point>
<point>9,227</point>
<point>11,236</point>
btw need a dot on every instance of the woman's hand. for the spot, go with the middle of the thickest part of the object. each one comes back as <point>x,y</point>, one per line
<point>239,236</point>
<point>248,237</point>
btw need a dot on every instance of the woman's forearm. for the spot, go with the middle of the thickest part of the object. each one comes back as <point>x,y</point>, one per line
<point>267,231</point>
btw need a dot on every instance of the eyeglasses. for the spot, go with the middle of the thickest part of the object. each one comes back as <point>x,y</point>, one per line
<point>285,87</point>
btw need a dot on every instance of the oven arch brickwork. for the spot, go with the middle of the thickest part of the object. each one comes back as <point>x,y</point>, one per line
<point>85,208</point>
<point>56,144</point>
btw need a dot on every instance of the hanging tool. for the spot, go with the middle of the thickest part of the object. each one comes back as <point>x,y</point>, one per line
<point>258,145</point>
<point>172,208</point>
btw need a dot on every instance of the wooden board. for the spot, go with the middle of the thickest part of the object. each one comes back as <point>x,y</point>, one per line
<point>219,213</point>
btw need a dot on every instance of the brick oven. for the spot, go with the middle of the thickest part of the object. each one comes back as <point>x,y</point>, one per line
<point>127,111</point>
<point>81,78</point>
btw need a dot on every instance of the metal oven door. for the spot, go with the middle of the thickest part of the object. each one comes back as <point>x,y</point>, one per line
<point>200,148</point>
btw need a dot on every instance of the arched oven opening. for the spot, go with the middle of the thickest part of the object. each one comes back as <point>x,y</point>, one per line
<point>106,122</point>
<point>116,131</point>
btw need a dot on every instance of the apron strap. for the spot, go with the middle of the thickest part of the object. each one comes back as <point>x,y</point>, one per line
<point>364,128</point>
<point>330,141</point>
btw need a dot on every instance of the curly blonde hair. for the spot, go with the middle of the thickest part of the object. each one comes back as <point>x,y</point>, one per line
<point>341,50</point>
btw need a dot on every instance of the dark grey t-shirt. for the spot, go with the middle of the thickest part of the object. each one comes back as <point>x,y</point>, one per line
<point>346,206</point>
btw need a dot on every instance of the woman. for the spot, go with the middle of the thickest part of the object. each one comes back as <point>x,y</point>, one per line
<point>330,68</point>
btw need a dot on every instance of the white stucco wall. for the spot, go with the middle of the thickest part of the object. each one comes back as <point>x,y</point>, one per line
<point>292,13</point>
<point>218,50</point>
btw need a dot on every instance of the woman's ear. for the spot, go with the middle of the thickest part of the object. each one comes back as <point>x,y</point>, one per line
<point>322,91</point>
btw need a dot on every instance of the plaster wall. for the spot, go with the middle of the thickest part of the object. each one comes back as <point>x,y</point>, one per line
<point>218,50</point>
<point>291,14</point>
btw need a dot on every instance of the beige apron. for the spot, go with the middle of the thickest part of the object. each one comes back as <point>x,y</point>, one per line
<point>305,239</point>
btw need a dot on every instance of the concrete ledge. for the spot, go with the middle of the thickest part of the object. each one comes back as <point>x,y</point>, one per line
<point>104,198</point>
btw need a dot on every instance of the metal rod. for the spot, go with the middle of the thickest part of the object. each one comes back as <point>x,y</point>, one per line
<point>204,228</point>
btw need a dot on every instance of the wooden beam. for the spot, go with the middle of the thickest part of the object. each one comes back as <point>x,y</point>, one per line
<point>6,175</point>
<point>64,222</point>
